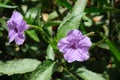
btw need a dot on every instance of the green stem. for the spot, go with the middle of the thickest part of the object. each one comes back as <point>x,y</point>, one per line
<point>99,42</point>
<point>73,76</point>
<point>90,34</point>
<point>42,31</point>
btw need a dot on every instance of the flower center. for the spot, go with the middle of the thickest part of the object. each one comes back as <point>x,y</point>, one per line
<point>74,45</point>
<point>16,30</point>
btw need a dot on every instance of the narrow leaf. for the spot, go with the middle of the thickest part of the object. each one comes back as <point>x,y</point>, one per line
<point>50,53</point>
<point>64,3</point>
<point>18,66</point>
<point>114,50</point>
<point>7,6</point>
<point>44,71</point>
<point>33,35</point>
<point>106,9</point>
<point>72,20</point>
<point>88,21</point>
<point>52,23</point>
<point>31,15</point>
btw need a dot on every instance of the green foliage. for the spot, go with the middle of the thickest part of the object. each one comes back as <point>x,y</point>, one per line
<point>7,6</point>
<point>113,49</point>
<point>64,3</point>
<point>32,15</point>
<point>33,35</point>
<point>72,20</point>
<point>43,71</point>
<point>50,53</point>
<point>108,9</point>
<point>88,21</point>
<point>89,75</point>
<point>19,66</point>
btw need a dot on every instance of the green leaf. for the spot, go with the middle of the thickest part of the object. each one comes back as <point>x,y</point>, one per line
<point>52,23</point>
<point>33,35</point>
<point>64,3</point>
<point>113,49</point>
<point>88,21</point>
<point>44,71</point>
<point>1,33</point>
<point>50,53</point>
<point>19,66</point>
<point>3,23</point>
<point>31,15</point>
<point>94,10</point>
<point>89,75</point>
<point>7,6</point>
<point>72,20</point>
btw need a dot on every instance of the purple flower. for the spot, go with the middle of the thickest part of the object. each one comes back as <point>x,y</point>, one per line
<point>16,26</point>
<point>75,46</point>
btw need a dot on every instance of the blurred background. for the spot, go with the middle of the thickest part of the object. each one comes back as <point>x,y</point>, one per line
<point>101,17</point>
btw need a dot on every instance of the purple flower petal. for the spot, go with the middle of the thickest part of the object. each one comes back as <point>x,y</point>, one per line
<point>75,46</point>
<point>16,16</point>
<point>12,34</point>
<point>85,41</point>
<point>20,39</point>
<point>10,24</point>
<point>63,45</point>
<point>16,26</point>
<point>22,26</point>
<point>74,33</point>
<point>15,13</point>
<point>75,55</point>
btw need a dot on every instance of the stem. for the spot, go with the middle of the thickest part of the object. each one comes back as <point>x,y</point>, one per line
<point>99,42</point>
<point>42,31</point>
<point>90,34</point>
<point>73,76</point>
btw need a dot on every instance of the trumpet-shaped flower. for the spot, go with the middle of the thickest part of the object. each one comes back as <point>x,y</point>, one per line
<point>75,46</point>
<point>16,27</point>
